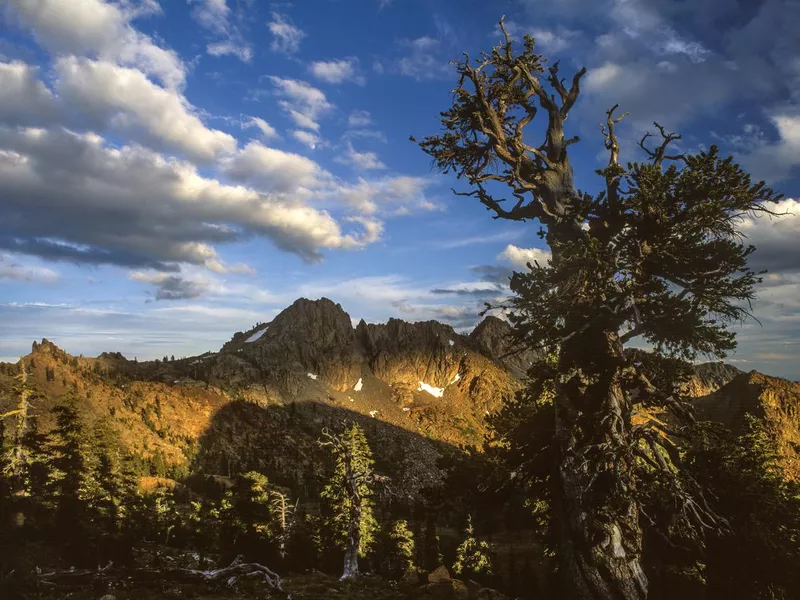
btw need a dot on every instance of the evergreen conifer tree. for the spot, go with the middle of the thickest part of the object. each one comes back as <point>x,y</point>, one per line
<point>349,492</point>
<point>472,556</point>
<point>251,506</point>
<point>400,549</point>
<point>657,254</point>
<point>72,485</point>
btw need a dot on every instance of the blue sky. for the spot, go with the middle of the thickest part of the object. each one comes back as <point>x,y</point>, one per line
<point>172,172</point>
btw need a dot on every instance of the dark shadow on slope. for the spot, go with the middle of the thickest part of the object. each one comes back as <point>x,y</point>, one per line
<point>280,441</point>
<point>427,478</point>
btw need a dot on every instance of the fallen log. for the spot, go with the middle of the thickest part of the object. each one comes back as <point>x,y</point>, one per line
<point>227,575</point>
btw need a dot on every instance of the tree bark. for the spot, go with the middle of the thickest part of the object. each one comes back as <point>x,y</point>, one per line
<point>601,539</point>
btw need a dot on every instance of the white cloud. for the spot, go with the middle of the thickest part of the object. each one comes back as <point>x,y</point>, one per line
<point>304,103</point>
<point>777,239</point>
<point>363,161</point>
<point>273,170</point>
<point>520,257</point>
<point>312,140</point>
<point>423,60</point>
<point>775,160</point>
<point>359,118</point>
<point>337,71</point>
<point>286,37</point>
<point>215,16</point>
<point>387,194</point>
<point>124,99</point>
<point>639,20</point>
<point>24,99</point>
<point>606,77</point>
<point>551,41</point>
<point>101,29</point>
<point>267,130</point>
<point>227,47</point>
<point>67,196</point>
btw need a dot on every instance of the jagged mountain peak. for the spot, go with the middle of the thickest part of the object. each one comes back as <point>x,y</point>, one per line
<point>492,338</point>
<point>324,314</point>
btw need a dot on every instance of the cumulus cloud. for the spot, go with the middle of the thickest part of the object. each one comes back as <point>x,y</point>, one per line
<point>273,170</point>
<point>383,195</point>
<point>774,159</point>
<point>101,29</point>
<point>286,37</point>
<point>303,102</point>
<point>520,257</point>
<point>24,99</point>
<point>126,100</point>
<point>777,239</point>
<point>337,71</point>
<point>68,196</point>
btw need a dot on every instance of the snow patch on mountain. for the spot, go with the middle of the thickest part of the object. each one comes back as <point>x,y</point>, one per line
<point>257,335</point>
<point>433,391</point>
<point>359,384</point>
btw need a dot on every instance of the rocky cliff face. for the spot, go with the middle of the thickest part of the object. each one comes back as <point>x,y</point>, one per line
<point>709,377</point>
<point>492,338</point>
<point>409,353</point>
<point>310,336</point>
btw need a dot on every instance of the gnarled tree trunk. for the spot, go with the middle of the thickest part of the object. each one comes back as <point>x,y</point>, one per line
<point>601,539</point>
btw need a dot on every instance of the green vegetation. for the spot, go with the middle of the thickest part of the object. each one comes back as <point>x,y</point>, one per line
<point>658,254</point>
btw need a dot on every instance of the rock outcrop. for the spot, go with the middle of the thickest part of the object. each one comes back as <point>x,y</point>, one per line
<point>311,336</point>
<point>409,353</point>
<point>492,338</point>
<point>709,377</point>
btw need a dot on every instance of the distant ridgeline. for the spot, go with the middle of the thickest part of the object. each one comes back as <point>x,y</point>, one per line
<point>423,394</point>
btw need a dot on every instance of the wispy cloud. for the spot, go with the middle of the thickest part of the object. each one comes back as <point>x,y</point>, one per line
<point>286,37</point>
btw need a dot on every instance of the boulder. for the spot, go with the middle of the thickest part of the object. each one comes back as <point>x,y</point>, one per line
<point>439,574</point>
<point>411,577</point>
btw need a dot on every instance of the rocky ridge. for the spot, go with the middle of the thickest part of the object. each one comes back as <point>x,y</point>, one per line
<point>421,380</point>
